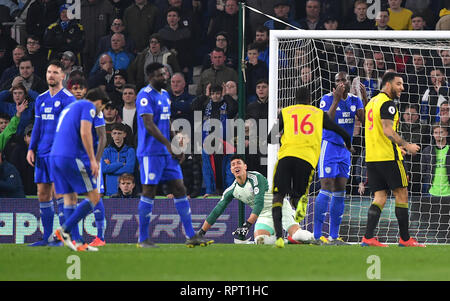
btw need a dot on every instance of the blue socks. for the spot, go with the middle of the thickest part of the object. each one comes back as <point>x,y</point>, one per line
<point>99,214</point>
<point>184,210</point>
<point>83,209</point>
<point>320,209</point>
<point>336,212</point>
<point>68,211</point>
<point>60,205</point>
<point>145,213</point>
<point>47,213</point>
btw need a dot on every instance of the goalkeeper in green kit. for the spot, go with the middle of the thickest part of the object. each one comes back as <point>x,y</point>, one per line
<point>251,188</point>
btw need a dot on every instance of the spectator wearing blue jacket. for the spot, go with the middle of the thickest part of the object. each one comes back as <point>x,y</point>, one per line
<point>19,94</point>
<point>120,57</point>
<point>118,158</point>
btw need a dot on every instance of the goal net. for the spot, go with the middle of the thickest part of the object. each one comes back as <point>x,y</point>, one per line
<point>313,58</point>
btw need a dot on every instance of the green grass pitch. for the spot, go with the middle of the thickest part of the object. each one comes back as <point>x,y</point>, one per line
<point>223,262</point>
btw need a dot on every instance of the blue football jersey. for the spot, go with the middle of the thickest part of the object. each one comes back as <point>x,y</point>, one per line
<point>344,117</point>
<point>99,121</point>
<point>67,142</point>
<point>150,101</point>
<point>47,111</point>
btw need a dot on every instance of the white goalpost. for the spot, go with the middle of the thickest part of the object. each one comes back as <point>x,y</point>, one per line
<point>312,58</point>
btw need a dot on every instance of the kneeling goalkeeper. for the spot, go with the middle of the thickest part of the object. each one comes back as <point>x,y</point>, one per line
<point>251,188</point>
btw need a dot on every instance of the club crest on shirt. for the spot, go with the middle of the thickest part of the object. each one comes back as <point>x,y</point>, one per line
<point>151,176</point>
<point>57,103</point>
<point>322,104</point>
<point>353,108</point>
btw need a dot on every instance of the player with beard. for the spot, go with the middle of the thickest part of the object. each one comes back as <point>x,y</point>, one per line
<point>48,106</point>
<point>384,160</point>
<point>157,159</point>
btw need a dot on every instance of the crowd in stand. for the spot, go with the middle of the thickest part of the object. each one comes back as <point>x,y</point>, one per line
<point>114,40</point>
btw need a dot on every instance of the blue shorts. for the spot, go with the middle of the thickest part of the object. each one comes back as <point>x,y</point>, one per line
<point>100,182</point>
<point>156,169</point>
<point>42,170</point>
<point>72,175</point>
<point>334,161</point>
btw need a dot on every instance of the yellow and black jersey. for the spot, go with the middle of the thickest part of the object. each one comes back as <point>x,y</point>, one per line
<point>301,127</point>
<point>378,146</point>
<point>302,133</point>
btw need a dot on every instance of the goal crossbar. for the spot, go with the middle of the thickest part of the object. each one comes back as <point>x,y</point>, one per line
<point>347,35</point>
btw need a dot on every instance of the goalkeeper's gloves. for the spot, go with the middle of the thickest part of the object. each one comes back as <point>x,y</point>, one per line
<point>241,232</point>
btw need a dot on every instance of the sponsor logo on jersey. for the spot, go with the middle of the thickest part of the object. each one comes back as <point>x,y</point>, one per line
<point>165,116</point>
<point>345,120</point>
<point>48,117</point>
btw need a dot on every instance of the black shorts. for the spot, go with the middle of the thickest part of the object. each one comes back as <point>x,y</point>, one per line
<point>386,175</point>
<point>292,177</point>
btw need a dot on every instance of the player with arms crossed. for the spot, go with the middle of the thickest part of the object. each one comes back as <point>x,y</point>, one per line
<point>384,160</point>
<point>301,127</point>
<point>48,107</point>
<point>157,160</point>
<point>335,159</point>
<point>251,188</point>
<point>73,162</point>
